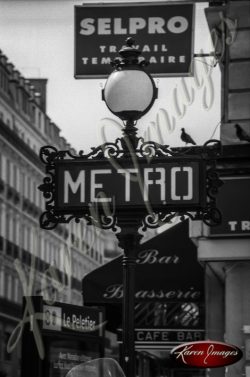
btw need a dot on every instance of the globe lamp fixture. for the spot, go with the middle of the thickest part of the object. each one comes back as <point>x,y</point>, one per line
<point>130,91</point>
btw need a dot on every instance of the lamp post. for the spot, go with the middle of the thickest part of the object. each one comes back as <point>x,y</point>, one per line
<point>130,182</point>
<point>129,93</point>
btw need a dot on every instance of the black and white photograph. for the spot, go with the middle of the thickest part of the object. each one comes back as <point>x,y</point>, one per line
<point>124,188</point>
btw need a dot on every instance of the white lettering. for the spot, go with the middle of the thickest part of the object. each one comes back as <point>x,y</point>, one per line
<point>177,24</point>
<point>155,25</point>
<point>74,186</point>
<point>147,182</point>
<point>105,60</point>
<point>94,185</point>
<point>87,27</point>
<point>118,27</point>
<point>102,48</point>
<point>173,184</point>
<point>112,49</point>
<point>245,225</point>
<point>127,172</point>
<point>174,172</point>
<point>161,182</point>
<point>135,24</point>
<point>104,26</point>
<point>232,225</point>
<point>189,195</point>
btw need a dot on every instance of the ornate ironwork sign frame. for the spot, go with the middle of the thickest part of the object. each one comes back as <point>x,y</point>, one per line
<point>127,150</point>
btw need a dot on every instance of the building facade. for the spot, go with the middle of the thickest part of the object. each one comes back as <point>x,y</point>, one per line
<point>33,261</point>
<point>225,253</point>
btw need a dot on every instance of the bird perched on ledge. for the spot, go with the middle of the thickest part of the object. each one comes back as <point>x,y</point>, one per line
<point>241,134</point>
<point>186,137</point>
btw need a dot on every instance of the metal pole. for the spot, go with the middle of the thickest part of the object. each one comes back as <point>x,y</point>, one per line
<point>128,313</point>
<point>129,241</point>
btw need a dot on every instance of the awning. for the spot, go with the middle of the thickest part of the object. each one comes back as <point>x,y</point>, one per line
<point>167,270</point>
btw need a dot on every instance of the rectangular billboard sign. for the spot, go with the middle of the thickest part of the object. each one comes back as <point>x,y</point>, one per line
<point>234,203</point>
<point>169,184</point>
<point>163,32</point>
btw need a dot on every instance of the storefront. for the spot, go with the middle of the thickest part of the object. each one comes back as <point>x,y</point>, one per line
<point>169,299</point>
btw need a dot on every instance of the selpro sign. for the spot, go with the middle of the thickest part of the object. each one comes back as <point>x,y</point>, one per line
<point>163,32</point>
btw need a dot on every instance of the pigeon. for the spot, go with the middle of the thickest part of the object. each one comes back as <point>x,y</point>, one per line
<point>241,134</point>
<point>186,137</point>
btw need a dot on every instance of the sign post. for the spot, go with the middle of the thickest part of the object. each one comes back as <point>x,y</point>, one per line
<point>130,183</point>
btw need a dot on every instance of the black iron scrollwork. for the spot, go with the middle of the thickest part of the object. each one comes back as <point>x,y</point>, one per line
<point>127,147</point>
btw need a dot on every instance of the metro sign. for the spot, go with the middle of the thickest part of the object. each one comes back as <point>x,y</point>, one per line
<point>113,185</point>
<point>162,185</point>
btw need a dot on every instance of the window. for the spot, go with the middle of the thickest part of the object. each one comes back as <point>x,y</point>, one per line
<point>33,113</point>
<point>7,231</point>
<point>24,102</point>
<point>16,290</point>
<point>40,199</point>
<point>15,176</point>
<point>42,248</point>
<point>28,187</point>
<point>1,169</point>
<point>28,240</point>
<point>22,236</point>
<point>31,191</point>
<point>8,167</point>
<point>14,224</point>
<point>23,183</point>
<point>1,282</point>
<point>9,287</point>
<point>39,119</point>
<point>4,81</point>
<point>34,191</point>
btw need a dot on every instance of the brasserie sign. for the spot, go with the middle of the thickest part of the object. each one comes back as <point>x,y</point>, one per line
<point>164,33</point>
